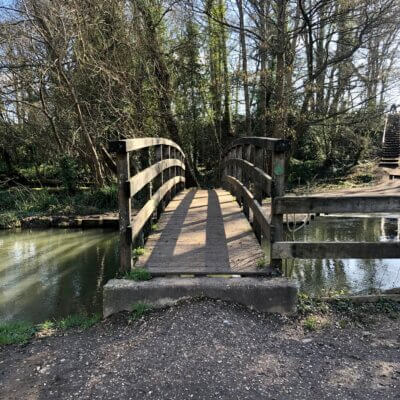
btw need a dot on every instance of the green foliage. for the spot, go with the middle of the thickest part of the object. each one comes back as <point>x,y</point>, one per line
<point>310,323</point>
<point>46,326</point>
<point>22,332</point>
<point>139,310</point>
<point>364,178</point>
<point>78,321</point>
<point>138,251</point>
<point>262,263</point>
<point>154,227</point>
<point>21,201</point>
<point>138,274</point>
<point>68,172</point>
<point>16,333</point>
<point>303,172</point>
<point>9,220</point>
<point>307,305</point>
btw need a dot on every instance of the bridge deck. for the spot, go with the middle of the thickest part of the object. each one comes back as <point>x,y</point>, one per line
<point>203,231</point>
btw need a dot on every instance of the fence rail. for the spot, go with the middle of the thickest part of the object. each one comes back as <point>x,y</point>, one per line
<point>253,169</point>
<point>160,180</point>
<point>333,205</point>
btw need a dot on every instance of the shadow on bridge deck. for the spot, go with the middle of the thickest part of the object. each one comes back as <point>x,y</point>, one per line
<point>202,231</point>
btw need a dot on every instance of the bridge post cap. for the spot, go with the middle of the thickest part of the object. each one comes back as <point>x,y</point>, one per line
<point>282,146</point>
<point>117,146</point>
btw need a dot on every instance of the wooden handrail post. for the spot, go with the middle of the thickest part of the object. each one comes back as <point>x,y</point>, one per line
<point>278,190</point>
<point>167,174</point>
<point>160,179</point>
<point>258,195</point>
<point>246,179</point>
<point>125,213</point>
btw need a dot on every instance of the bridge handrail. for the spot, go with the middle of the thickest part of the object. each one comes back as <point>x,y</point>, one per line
<point>254,168</point>
<point>347,204</point>
<point>166,175</point>
<point>258,173</point>
<point>128,145</point>
<point>254,205</point>
<point>268,143</point>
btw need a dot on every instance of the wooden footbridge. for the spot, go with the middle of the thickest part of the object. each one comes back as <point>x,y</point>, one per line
<point>218,232</point>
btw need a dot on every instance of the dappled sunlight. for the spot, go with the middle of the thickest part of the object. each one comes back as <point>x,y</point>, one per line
<point>55,275</point>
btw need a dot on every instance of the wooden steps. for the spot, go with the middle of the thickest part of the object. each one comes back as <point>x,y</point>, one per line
<point>391,145</point>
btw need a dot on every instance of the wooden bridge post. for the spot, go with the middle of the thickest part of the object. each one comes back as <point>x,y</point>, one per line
<point>278,190</point>
<point>246,179</point>
<point>239,155</point>
<point>125,213</point>
<point>258,195</point>
<point>167,174</point>
<point>160,179</point>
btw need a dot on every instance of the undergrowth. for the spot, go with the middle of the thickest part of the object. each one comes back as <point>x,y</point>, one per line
<point>22,332</point>
<point>139,310</point>
<point>21,202</point>
<point>138,274</point>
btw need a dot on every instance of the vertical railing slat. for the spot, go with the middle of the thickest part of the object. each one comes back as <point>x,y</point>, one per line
<point>125,213</point>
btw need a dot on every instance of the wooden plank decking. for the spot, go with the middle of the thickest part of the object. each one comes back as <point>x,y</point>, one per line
<point>202,231</point>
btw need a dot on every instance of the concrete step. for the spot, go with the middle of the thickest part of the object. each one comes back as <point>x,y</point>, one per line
<point>277,295</point>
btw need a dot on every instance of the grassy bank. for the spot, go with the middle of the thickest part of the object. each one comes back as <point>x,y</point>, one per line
<point>22,332</point>
<point>20,202</point>
<point>313,314</point>
<point>309,177</point>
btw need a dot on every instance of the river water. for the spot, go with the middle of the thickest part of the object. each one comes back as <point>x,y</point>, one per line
<point>55,273</point>
<point>355,276</point>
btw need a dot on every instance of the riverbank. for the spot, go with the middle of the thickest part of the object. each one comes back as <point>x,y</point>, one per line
<point>55,207</point>
<point>214,350</point>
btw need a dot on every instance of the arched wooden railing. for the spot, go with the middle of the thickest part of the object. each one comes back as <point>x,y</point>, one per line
<point>160,181</point>
<point>253,169</point>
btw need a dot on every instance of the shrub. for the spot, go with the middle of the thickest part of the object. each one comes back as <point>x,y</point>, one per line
<point>68,173</point>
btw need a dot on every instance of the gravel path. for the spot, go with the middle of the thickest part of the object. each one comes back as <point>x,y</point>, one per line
<point>207,350</point>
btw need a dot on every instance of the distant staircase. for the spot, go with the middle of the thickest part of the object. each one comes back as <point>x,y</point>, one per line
<point>391,142</point>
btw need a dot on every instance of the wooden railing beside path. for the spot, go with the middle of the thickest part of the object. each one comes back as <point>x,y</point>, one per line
<point>161,180</point>
<point>205,231</point>
<point>336,205</point>
<point>253,169</point>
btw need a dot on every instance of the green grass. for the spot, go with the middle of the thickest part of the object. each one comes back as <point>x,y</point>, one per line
<point>22,332</point>
<point>154,227</point>
<point>262,263</point>
<point>78,321</point>
<point>310,323</point>
<point>20,202</point>
<point>138,274</point>
<point>139,310</point>
<point>14,333</point>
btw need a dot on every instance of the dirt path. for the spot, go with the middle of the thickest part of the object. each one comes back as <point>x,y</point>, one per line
<point>207,350</point>
<point>384,187</point>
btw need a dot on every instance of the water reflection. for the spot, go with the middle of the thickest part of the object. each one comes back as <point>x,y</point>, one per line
<point>350,275</point>
<point>390,229</point>
<point>53,273</point>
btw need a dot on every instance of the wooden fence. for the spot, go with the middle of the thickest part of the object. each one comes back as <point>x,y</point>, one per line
<point>254,169</point>
<point>158,183</point>
<point>336,205</point>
